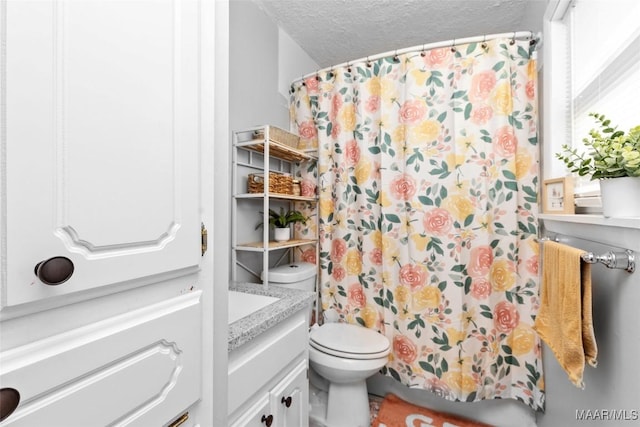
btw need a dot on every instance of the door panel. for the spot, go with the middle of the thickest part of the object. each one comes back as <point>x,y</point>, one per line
<point>102,133</point>
<point>84,377</point>
<point>100,165</point>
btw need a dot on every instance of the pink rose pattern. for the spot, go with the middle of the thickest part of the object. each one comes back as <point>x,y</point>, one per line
<point>412,111</point>
<point>307,187</point>
<point>352,153</point>
<point>308,255</point>
<point>405,348</point>
<point>482,84</point>
<point>413,275</point>
<point>505,141</point>
<point>438,221</point>
<point>356,296</point>
<point>375,256</point>
<point>506,316</point>
<point>338,249</point>
<point>403,221</point>
<point>403,187</point>
<point>480,260</point>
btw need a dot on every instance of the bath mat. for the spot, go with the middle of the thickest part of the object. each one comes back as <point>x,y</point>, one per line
<point>395,412</point>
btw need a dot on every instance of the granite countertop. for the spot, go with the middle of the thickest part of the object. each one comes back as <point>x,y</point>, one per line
<point>291,301</point>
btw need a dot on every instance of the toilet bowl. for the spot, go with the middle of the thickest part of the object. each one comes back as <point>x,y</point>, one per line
<point>341,356</point>
<point>346,355</point>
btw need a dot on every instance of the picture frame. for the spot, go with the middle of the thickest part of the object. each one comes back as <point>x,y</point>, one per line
<point>557,196</point>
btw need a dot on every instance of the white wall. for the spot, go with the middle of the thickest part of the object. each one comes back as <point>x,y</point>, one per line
<point>253,65</point>
<point>615,383</point>
<point>263,60</point>
<point>293,63</point>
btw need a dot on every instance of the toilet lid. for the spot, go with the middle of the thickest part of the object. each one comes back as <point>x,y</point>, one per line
<point>352,341</point>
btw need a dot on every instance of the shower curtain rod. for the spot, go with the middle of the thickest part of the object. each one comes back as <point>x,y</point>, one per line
<point>448,43</point>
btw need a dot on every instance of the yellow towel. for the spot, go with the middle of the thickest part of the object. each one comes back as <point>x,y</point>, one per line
<point>565,319</point>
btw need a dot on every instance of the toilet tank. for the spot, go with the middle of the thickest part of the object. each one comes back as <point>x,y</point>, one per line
<point>298,275</point>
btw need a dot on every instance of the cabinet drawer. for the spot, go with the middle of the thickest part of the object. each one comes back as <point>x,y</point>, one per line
<point>253,365</point>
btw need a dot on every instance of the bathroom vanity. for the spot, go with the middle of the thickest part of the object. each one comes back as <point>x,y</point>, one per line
<point>268,356</point>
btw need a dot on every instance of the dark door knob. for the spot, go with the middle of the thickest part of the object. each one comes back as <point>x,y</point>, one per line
<point>267,420</point>
<point>9,400</point>
<point>286,401</point>
<point>54,271</point>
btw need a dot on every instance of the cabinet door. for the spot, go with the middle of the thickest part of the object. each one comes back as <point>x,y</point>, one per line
<point>290,398</point>
<point>257,415</point>
<point>100,177</point>
<point>102,146</point>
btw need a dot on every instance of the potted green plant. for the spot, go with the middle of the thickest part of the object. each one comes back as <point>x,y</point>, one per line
<point>613,158</point>
<point>280,222</point>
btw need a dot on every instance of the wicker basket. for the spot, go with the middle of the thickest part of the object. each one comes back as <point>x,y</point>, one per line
<point>278,183</point>
<point>281,136</point>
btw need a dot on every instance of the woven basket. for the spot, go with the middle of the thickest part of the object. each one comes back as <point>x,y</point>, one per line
<point>281,136</point>
<point>278,183</point>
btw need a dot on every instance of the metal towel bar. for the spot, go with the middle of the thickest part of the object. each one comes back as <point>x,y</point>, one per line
<point>620,260</point>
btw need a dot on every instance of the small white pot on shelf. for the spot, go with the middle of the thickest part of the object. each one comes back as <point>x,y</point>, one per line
<point>620,197</point>
<point>282,234</point>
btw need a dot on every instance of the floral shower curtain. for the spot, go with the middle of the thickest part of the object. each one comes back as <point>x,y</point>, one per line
<point>427,212</point>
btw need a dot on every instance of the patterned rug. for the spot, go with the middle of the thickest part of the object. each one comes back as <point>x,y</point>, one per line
<point>395,412</point>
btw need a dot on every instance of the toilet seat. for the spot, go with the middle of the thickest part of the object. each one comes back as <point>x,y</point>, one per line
<point>349,341</point>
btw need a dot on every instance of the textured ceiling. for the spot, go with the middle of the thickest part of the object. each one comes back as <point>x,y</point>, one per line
<point>336,31</point>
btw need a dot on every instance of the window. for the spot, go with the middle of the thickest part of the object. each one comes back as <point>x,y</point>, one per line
<point>596,51</point>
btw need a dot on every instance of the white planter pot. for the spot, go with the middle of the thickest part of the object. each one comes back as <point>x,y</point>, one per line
<point>620,197</point>
<point>282,234</point>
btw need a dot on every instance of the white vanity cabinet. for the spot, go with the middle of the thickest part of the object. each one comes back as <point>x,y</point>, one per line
<point>290,398</point>
<point>268,383</point>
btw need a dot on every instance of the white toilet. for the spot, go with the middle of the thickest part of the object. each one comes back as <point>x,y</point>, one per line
<point>298,275</point>
<point>344,355</point>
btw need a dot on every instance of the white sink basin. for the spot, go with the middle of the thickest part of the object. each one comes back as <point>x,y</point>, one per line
<point>242,304</point>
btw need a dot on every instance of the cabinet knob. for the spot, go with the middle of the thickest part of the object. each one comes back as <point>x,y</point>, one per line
<point>286,402</point>
<point>9,400</point>
<point>267,420</point>
<point>54,271</point>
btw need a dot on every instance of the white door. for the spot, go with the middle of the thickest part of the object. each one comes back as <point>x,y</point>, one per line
<point>100,306</point>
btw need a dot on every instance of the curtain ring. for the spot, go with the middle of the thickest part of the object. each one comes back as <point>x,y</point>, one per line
<point>330,74</point>
<point>453,46</point>
<point>423,53</point>
<point>484,42</point>
<point>303,82</point>
<point>318,75</point>
<point>395,56</point>
<point>368,63</point>
<point>348,67</point>
<point>513,39</point>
